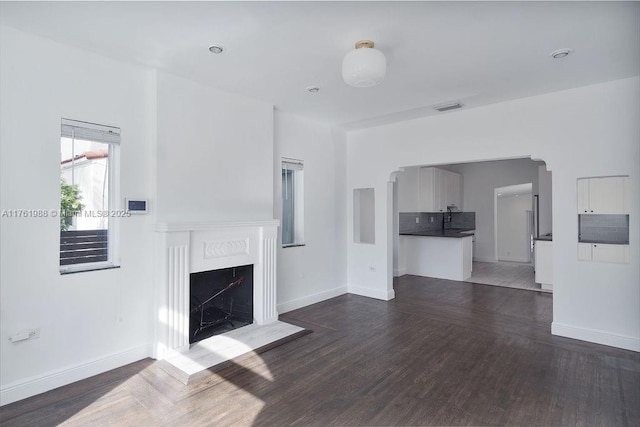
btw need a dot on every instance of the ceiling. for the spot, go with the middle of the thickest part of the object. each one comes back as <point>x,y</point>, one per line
<point>514,190</point>
<point>476,53</point>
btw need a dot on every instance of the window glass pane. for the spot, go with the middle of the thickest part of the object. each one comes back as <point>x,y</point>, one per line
<point>288,207</point>
<point>84,201</point>
<point>292,203</point>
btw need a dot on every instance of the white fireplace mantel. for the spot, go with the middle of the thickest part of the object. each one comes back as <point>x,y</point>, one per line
<point>165,227</point>
<point>185,248</point>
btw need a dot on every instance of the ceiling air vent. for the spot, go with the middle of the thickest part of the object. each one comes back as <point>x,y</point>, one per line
<point>448,107</point>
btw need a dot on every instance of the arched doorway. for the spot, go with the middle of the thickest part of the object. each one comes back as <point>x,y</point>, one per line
<point>479,181</point>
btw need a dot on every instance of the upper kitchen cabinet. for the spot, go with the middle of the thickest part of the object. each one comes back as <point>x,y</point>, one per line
<point>439,188</point>
<point>603,195</point>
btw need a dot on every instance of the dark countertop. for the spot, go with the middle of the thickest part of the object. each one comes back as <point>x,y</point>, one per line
<point>455,233</point>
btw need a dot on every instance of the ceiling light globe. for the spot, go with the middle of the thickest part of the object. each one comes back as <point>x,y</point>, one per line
<point>364,67</point>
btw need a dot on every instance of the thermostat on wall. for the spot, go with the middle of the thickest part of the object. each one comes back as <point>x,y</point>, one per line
<point>136,206</point>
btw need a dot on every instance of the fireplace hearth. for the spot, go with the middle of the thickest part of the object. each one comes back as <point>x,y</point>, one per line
<point>184,249</point>
<point>220,301</point>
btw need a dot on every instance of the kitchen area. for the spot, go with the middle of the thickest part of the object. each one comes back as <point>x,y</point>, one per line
<point>448,225</point>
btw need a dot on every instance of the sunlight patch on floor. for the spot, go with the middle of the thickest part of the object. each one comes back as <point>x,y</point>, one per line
<point>221,348</point>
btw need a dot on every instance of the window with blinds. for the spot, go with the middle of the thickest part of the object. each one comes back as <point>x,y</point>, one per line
<point>292,203</point>
<point>88,177</point>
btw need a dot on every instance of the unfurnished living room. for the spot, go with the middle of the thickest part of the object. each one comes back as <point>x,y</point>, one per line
<point>319,213</point>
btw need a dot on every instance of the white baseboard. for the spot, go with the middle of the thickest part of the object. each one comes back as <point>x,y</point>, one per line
<point>391,295</point>
<point>28,387</point>
<point>510,259</point>
<point>595,336</point>
<point>484,259</point>
<point>310,299</point>
<point>399,272</point>
<point>372,293</point>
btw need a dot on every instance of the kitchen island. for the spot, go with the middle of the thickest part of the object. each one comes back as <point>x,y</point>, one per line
<point>443,254</point>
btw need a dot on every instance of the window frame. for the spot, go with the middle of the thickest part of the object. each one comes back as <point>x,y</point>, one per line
<point>113,228</point>
<point>296,167</point>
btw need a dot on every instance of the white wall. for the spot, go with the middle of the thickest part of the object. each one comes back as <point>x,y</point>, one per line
<point>408,182</point>
<point>513,240</point>
<point>479,179</point>
<point>587,131</point>
<point>213,151</point>
<point>316,271</point>
<point>91,321</point>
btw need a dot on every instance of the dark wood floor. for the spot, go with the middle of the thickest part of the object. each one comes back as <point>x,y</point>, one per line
<point>441,353</point>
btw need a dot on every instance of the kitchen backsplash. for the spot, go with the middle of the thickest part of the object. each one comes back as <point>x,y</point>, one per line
<point>434,221</point>
<point>604,229</point>
<point>465,220</point>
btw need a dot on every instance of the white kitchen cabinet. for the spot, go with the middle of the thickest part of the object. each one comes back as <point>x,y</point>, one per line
<point>600,252</point>
<point>544,264</point>
<point>583,195</point>
<point>584,251</point>
<point>454,190</point>
<point>610,253</point>
<point>427,188</point>
<point>603,195</point>
<point>439,188</point>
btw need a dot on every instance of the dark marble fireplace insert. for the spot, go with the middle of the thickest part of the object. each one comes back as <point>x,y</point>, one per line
<point>220,301</point>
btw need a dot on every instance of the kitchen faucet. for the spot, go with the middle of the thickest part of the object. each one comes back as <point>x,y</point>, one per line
<point>447,218</point>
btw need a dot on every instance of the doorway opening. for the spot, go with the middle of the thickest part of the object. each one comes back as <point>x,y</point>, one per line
<point>502,244</point>
<point>514,219</point>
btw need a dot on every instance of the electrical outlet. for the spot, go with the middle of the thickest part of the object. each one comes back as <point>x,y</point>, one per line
<point>417,220</point>
<point>27,334</point>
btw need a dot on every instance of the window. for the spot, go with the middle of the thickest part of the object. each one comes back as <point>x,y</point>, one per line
<point>88,218</point>
<point>292,203</point>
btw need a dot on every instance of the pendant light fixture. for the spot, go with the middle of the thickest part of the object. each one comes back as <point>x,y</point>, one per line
<point>364,66</point>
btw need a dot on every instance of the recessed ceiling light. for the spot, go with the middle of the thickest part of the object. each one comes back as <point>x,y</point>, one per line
<point>313,89</point>
<point>216,49</point>
<point>561,53</point>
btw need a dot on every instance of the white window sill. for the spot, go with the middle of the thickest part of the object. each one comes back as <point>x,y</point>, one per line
<point>81,268</point>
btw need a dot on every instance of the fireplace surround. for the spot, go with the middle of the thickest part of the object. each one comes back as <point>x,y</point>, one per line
<point>185,248</point>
